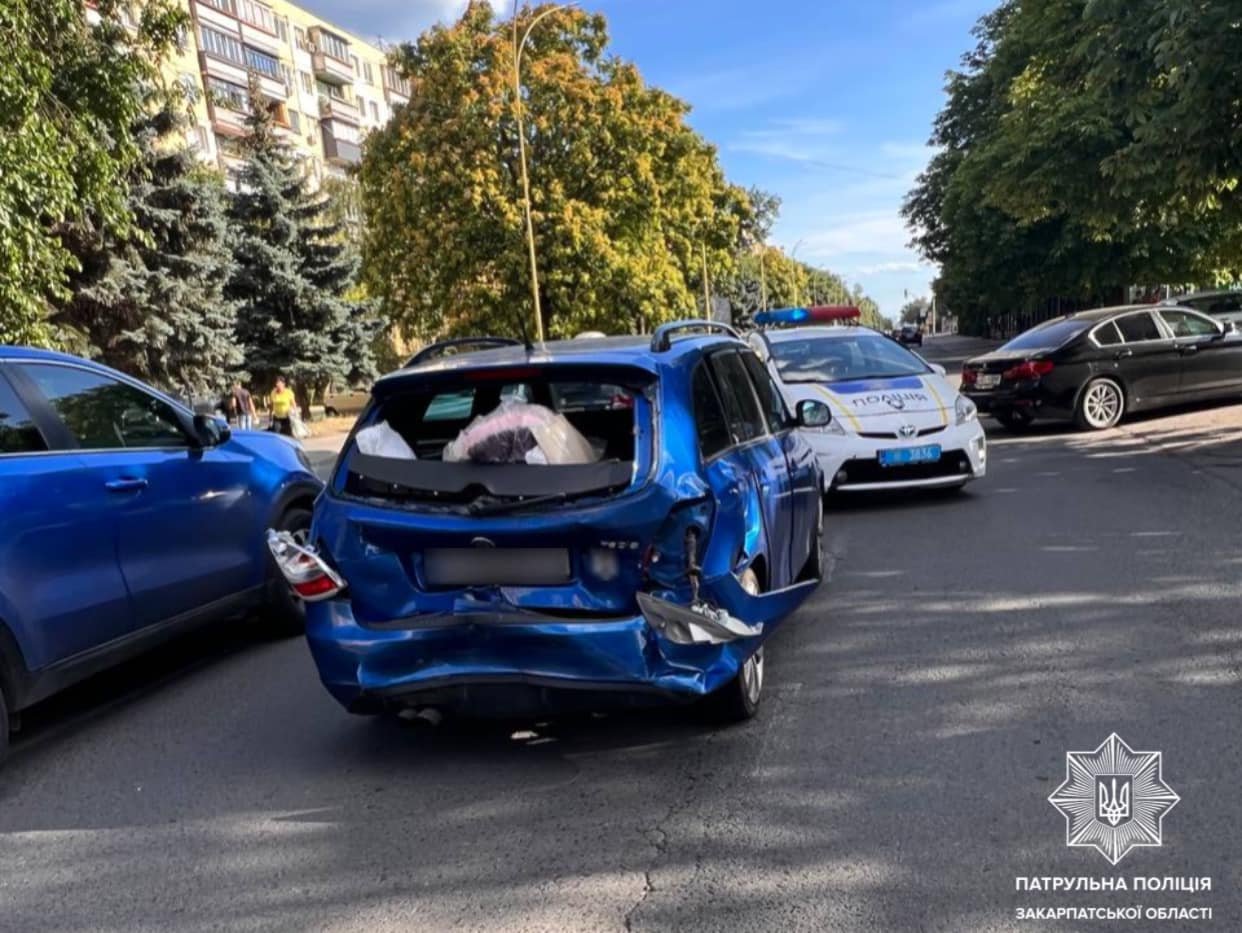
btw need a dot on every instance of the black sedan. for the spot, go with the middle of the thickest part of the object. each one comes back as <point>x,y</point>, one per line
<point>1096,366</point>
<point>910,335</point>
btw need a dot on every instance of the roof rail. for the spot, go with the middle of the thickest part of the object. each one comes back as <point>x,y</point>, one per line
<point>458,345</point>
<point>661,340</point>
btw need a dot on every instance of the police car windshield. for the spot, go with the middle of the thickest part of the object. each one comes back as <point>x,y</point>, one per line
<point>836,359</point>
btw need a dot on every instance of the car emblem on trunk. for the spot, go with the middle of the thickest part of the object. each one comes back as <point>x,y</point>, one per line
<point>907,430</point>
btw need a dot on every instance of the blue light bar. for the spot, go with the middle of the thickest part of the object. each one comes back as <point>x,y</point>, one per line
<point>782,316</point>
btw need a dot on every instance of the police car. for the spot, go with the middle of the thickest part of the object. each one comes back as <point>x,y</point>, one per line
<point>896,421</point>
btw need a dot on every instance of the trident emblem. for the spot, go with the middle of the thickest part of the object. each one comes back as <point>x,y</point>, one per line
<point>1112,801</point>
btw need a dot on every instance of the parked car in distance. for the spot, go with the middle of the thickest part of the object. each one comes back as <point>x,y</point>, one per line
<point>1097,366</point>
<point>910,335</point>
<point>896,421</point>
<point>343,400</point>
<point>655,567</point>
<point>1223,305</point>
<point>127,518</point>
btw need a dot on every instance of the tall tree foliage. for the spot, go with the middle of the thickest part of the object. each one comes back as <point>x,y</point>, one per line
<point>1086,145</point>
<point>69,93</point>
<point>294,273</point>
<point>152,303</point>
<point>626,197</point>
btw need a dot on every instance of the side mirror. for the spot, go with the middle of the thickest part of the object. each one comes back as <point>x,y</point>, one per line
<point>813,414</point>
<point>211,431</point>
<point>1228,327</point>
<point>938,369</point>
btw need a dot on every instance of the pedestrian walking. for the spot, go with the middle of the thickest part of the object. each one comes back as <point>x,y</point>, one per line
<point>243,405</point>
<point>282,403</point>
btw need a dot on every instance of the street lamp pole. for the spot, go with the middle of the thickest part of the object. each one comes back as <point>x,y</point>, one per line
<point>793,255</point>
<point>518,47</point>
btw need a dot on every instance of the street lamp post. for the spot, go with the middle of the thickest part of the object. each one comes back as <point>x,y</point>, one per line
<point>517,106</point>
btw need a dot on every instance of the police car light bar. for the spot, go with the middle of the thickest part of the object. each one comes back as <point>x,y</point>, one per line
<point>812,315</point>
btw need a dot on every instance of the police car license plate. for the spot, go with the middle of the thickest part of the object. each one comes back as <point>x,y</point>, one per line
<point>987,381</point>
<point>904,456</point>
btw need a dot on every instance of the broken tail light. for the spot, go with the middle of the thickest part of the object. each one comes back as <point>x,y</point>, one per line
<point>302,567</point>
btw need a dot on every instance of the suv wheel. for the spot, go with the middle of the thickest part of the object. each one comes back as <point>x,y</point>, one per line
<point>284,614</point>
<point>739,699</point>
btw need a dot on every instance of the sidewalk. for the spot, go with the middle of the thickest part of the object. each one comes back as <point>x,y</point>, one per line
<point>322,451</point>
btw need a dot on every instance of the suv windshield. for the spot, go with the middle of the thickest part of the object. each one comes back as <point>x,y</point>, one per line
<point>861,355</point>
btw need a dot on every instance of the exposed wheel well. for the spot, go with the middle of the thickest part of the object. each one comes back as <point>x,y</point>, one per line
<point>760,567</point>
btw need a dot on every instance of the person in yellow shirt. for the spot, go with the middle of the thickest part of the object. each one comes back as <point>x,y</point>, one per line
<point>282,401</point>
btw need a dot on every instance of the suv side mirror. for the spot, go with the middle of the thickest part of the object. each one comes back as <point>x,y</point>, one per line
<point>813,414</point>
<point>210,431</point>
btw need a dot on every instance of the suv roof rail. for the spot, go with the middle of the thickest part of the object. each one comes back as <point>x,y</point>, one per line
<point>662,339</point>
<point>444,347</point>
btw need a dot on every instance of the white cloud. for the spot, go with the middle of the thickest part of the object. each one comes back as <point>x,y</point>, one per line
<point>395,21</point>
<point>887,268</point>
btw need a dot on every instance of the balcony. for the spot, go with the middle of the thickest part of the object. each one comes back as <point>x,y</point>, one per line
<point>334,108</point>
<point>396,87</point>
<point>339,151</point>
<point>332,70</point>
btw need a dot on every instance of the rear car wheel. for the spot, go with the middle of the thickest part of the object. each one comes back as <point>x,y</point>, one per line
<point>285,614</point>
<point>814,569</point>
<point>1100,405</point>
<point>1014,419</point>
<point>738,700</point>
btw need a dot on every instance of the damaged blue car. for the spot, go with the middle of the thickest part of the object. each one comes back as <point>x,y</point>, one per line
<point>583,523</point>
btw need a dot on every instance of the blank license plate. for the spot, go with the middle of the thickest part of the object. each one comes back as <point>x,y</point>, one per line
<point>987,381</point>
<point>903,456</point>
<point>531,566</point>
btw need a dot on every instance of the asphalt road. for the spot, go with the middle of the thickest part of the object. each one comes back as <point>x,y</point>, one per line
<point>918,714</point>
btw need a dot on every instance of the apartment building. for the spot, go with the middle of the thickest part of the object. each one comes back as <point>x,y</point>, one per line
<point>327,88</point>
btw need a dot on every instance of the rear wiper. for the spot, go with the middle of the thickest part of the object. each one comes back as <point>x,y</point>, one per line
<point>510,505</point>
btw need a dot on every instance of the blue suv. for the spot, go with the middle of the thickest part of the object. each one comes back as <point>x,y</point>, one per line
<point>126,519</point>
<point>590,520</point>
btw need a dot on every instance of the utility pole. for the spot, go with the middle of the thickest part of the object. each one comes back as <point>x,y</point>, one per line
<point>517,112</point>
<point>707,286</point>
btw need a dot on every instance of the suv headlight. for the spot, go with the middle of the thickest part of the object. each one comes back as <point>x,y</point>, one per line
<point>966,410</point>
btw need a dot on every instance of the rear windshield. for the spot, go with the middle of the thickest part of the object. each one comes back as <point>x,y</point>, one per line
<point>1047,336</point>
<point>480,435</point>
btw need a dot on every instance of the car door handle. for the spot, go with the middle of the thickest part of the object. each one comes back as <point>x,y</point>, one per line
<point>126,484</point>
<point>1123,354</point>
<point>1188,349</point>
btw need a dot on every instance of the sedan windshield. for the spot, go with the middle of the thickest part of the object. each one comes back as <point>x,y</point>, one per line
<point>859,355</point>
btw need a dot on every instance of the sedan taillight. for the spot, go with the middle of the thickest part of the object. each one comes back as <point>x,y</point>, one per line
<point>1028,369</point>
<point>969,376</point>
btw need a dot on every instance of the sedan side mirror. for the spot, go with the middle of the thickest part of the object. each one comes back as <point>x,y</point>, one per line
<point>1228,327</point>
<point>813,414</point>
<point>211,431</point>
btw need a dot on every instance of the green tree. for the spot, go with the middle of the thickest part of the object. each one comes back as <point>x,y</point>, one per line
<point>626,197</point>
<point>69,94</point>
<point>294,273</point>
<point>152,303</point>
<point>915,311</point>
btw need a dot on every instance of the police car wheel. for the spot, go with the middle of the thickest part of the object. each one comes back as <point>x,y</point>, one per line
<point>738,700</point>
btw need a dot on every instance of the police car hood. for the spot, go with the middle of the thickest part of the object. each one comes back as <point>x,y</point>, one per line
<point>924,401</point>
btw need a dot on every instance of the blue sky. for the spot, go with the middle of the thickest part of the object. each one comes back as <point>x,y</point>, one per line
<point>827,103</point>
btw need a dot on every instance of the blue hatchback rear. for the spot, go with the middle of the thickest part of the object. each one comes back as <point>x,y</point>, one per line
<point>503,583</point>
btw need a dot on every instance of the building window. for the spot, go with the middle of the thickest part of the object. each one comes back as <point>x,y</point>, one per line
<point>366,68</point>
<point>257,15</point>
<point>334,45</point>
<point>189,86</point>
<point>295,121</point>
<point>299,39</point>
<point>263,63</point>
<point>286,73</point>
<point>204,140</point>
<point>227,94</point>
<point>357,67</point>
<point>374,112</point>
<point>183,38</point>
<point>226,6</point>
<point>308,83</point>
<point>335,91</point>
<point>221,45</point>
<point>282,29</point>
